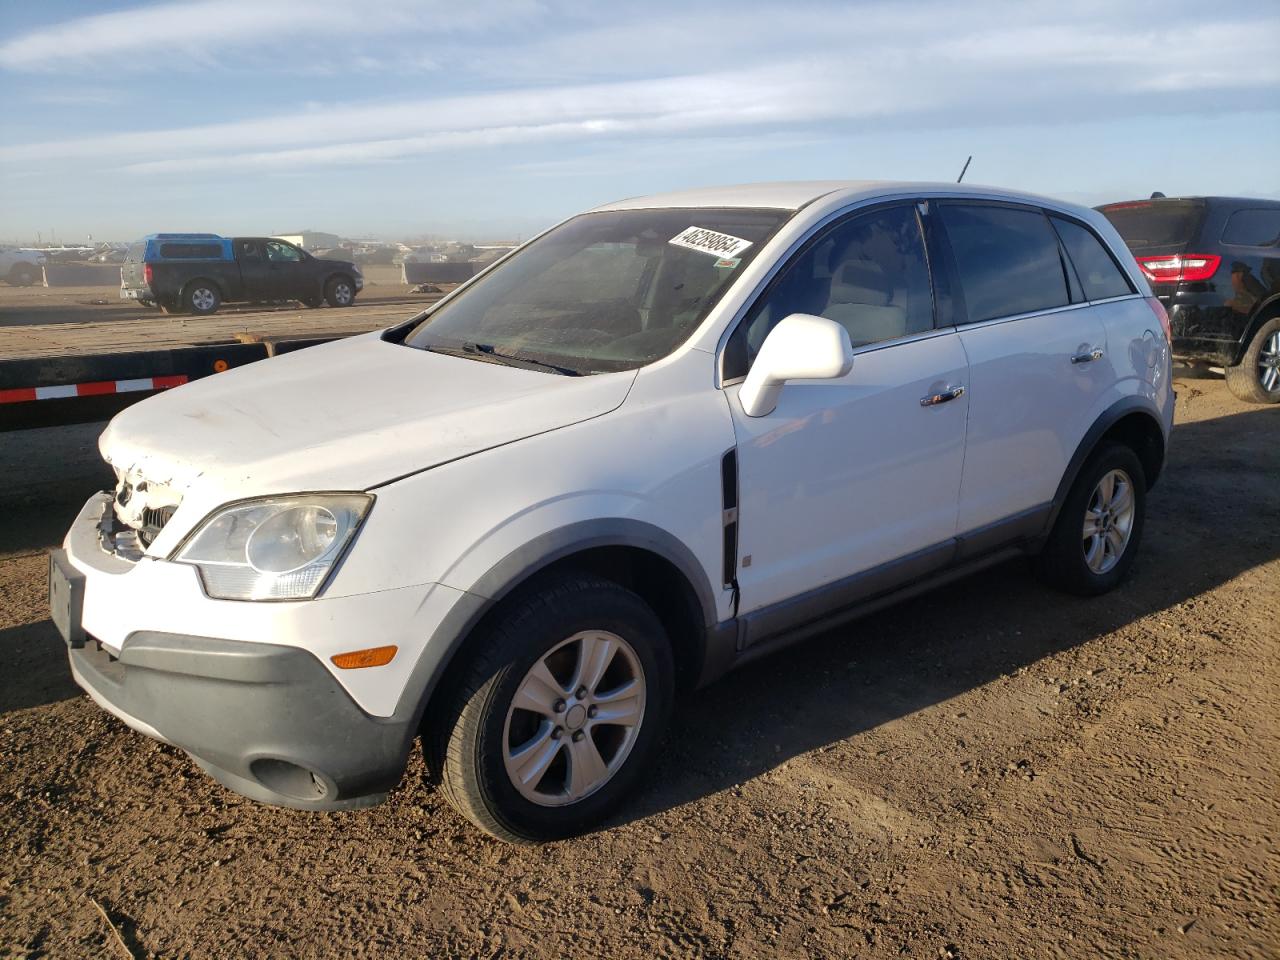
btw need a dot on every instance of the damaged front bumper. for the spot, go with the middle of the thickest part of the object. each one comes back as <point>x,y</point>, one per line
<point>272,720</point>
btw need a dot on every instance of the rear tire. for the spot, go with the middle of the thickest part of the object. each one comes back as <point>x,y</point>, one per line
<point>1256,378</point>
<point>1098,530</point>
<point>201,297</point>
<point>340,292</point>
<point>592,665</point>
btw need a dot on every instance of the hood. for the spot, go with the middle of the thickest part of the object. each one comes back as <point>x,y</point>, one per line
<point>330,261</point>
<point>347,415</point>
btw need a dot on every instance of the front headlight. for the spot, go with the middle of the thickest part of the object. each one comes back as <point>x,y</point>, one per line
<point>279,548</point>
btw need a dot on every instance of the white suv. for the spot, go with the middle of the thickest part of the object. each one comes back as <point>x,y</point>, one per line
<point>664,437</point>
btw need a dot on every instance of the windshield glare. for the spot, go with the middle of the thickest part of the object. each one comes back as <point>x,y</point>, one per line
<point>603,291</point>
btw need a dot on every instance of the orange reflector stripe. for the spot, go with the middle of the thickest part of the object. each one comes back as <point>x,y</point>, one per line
<point>373,657</point>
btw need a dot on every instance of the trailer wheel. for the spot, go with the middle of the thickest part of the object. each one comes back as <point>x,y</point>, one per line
<point>202,297</point>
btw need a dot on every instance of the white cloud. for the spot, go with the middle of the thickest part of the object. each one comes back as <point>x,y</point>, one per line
<point>351,132</point>
<point>809,69</point>
<point>201,31</point>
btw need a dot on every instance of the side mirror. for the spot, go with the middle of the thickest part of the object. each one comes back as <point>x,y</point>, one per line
<point>801,347</point>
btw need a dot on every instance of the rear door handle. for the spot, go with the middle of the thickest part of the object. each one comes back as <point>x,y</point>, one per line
<point>1094,354</point>
<point>950,393</point>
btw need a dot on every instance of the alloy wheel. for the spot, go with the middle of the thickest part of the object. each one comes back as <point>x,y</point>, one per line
<point>1269,364</point>
<point>574,718</point>
<point>1108,521</point>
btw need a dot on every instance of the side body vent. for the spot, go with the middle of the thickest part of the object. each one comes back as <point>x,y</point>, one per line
<point>729,500</point>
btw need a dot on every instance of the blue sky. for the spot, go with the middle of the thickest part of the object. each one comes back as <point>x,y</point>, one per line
<point>488,119</point>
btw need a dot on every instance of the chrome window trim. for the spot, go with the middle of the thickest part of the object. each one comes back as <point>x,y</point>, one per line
<point>1125,296</point>
<point>996,321</point>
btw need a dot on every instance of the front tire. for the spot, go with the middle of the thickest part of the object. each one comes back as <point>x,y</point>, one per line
<point>1256,378</point>
<point>1099,527</point>
<point>201,297</point>
<point>340,292</point>
<point>557,713</point>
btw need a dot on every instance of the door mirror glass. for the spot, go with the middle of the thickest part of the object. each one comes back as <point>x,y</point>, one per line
<point>800,347</point>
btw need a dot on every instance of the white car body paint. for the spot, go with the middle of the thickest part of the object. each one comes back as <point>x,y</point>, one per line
<point>850,473</point>
<point>470,462</point>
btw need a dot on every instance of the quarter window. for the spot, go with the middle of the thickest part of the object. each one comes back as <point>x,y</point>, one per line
<point>1007,258</point>
<point>868,274</point>
<point>1098,272</point>
<point>1253,228</point>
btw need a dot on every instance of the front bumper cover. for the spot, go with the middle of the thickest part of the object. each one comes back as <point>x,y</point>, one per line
<point>266,720</point>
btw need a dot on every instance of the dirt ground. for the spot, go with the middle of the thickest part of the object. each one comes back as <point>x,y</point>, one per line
<point>994,771</point>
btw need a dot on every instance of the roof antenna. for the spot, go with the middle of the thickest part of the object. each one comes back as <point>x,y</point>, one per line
<point>966,168</point>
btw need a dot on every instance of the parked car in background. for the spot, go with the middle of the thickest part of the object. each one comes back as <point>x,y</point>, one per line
<point>1214,262</point>
<point>659,440</point>
<point>198,272</point>
<point>21,268</point>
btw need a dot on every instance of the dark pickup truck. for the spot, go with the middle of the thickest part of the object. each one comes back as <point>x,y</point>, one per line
<point>198,272</point>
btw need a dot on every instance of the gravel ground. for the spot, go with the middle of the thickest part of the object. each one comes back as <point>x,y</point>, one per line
<point>994,770</point>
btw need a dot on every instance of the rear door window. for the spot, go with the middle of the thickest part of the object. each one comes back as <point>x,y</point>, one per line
<point>1007,259</point>
<point>1098,272</point>
<point>1253,228</point>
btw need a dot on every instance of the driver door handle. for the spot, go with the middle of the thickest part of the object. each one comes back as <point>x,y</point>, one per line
<point>950,393</point>
<point>1094,354</point>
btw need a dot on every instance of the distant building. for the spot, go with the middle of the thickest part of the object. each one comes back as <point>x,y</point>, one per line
<point>311,239</point>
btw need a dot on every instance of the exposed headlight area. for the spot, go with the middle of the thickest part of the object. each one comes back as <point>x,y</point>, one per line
<point>280,548</point>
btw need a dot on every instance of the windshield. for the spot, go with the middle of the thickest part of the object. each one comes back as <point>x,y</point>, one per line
<point>603,291</point>
<point>1156,222</point>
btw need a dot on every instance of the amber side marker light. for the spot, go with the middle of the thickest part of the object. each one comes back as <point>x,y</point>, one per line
<point>373,657</point>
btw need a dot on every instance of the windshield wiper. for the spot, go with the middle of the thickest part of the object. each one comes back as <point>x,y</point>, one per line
<point>490,354</point>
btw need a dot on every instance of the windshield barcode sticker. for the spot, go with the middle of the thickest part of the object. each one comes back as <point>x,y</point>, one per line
<point>709,241</point>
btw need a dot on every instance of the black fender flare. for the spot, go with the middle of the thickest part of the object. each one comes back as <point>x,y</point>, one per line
<point>1266,310</point>
<point>1108,419</point>
<point>515,569</point>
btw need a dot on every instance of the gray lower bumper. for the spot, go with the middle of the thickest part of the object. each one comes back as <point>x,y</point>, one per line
<point>268,721</point>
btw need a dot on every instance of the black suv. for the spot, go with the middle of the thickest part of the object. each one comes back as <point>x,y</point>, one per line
<point>1214,262</point>
<point>198,272</point>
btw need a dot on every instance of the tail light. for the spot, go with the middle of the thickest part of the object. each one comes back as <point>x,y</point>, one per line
<point>146,273</point>
<point>1180,266</point>
<point>1162,315</point>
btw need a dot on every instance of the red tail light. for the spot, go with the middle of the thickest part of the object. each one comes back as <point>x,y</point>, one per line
<point>146,273</point>
<point>1180,266</point>
<point>1162,315</point>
